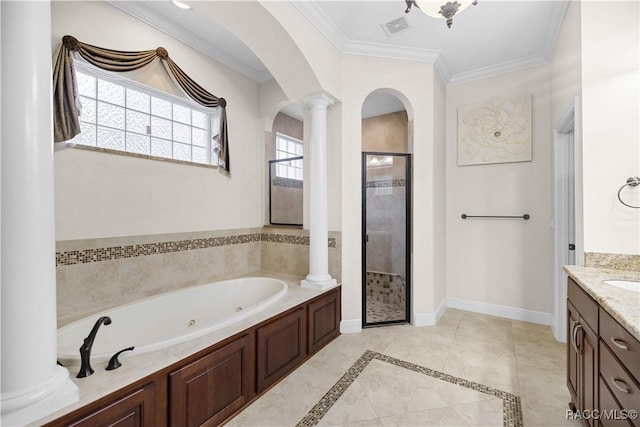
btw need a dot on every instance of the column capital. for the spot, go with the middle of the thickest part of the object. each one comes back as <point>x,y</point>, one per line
<point>320,99</point>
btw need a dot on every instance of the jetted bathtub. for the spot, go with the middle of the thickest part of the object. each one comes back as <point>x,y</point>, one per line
<point>171,318</point>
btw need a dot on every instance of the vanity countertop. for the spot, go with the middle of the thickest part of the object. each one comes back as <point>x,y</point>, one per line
<point>623,305</point>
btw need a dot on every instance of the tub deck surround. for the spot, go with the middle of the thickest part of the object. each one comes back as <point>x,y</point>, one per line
<point>623,305</point>
<point>137,367</point>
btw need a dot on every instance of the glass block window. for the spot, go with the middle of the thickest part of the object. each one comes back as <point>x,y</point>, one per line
<point>288,147</point>
<point>123,115</point>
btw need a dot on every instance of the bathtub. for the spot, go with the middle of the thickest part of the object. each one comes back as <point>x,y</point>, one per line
<point>171,318</point>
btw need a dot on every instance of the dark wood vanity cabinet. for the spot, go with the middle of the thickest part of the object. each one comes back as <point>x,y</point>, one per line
<point>619,370</point>
<point>603,364</point>
<point>582,351</point>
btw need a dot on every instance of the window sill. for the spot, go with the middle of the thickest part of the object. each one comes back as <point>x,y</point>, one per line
<point>140,156</point>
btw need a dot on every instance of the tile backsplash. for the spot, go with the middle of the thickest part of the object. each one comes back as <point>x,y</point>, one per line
<point>612,261</point>
<point>96,274</point>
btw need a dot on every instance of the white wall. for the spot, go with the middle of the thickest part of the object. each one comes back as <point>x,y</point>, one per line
<point>103,195</point>
<point>413,83</point>
<point>440,194</point>
<point>566,69</point>
<point>505,262</point>
<point>611,135</point>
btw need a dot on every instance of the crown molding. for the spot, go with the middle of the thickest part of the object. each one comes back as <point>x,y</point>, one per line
<point>497,69</point>
<point>312,12</point>
<point>555,26</point>
<point>382,50</point>
<point>443,70</point>
<point>320,20</point>
<point>315,15</point>
<point>184,35</point>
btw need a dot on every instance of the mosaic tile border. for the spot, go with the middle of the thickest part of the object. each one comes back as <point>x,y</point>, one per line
<point>86,256</point>
<point>613,261</point>
<point>511,406</point>
<point>386,183</point>
<point>287,182</point>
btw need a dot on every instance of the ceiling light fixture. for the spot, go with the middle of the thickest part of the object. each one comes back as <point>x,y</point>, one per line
<point>436,10</point>
<point>181,5</point>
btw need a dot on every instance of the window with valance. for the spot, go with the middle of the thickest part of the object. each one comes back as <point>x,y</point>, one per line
<point>67,96</point>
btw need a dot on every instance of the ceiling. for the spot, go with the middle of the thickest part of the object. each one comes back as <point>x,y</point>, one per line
<point>493,37</point>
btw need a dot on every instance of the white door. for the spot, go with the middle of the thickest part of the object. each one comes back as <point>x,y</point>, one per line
<point>567,210</point>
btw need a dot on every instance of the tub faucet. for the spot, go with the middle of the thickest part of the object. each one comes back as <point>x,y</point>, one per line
<point>85,348</point>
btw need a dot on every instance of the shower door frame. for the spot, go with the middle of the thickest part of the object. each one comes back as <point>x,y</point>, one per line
<point>408,200</point>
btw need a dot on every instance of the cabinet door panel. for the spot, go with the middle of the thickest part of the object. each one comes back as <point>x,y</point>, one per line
<point>572,355</point>
<point>589,368</point>
<point>324,320</point>
<point>133,410</point>
<point>281,345</point>
<point>209,390</point>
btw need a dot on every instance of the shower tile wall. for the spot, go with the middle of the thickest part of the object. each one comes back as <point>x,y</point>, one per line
<point>387,133</point>
<point>387,288</point>
<point>386,202</point>
<point>95,274</point>
<point>286,250</point>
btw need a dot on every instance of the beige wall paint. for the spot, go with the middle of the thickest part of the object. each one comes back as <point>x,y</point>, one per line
<point>503,262</point>
<point>104,195</point>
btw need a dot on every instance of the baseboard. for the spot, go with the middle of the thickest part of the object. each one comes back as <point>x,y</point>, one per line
<point>430,319</point>
<point>501,311</point>
<point>351,326</point>
<point>560,335</point>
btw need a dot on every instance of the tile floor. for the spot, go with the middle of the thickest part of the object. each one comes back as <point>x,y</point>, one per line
<point>401,381</point>
<point>377,311</point>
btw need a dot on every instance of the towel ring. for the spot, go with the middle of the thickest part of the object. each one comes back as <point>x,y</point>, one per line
<point>631,182</point>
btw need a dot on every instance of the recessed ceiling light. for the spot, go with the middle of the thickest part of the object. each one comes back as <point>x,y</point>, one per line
<point>181,5</point>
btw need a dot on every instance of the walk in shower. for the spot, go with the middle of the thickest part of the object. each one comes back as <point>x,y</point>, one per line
<point>386,238</point>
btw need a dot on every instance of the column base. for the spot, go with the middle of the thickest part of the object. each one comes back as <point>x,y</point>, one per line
<point>26,406</point>
<point>318,285</point>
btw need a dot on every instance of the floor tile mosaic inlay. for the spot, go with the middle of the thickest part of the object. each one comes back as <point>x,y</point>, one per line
<point>511,406</point>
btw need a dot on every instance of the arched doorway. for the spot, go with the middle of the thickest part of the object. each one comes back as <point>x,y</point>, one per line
<point>386,211</point>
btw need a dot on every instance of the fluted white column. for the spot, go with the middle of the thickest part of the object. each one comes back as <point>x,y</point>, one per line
<point>318,277</point>
<point>32,384</point>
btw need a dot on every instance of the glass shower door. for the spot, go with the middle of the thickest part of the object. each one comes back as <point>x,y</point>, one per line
<point>386,208</point>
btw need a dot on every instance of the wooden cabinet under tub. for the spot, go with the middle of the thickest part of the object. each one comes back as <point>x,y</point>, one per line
<point>281,345</point>
<point>215,384</point>
<point>128,408</point>
<point>212,388</point>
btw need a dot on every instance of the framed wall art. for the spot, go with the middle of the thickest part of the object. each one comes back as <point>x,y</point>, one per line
<point>495,132</point>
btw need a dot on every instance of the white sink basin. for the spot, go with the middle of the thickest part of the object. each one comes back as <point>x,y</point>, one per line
<point>624,284</point>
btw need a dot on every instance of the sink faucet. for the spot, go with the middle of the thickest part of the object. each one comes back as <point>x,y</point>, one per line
<point>85,348</point>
